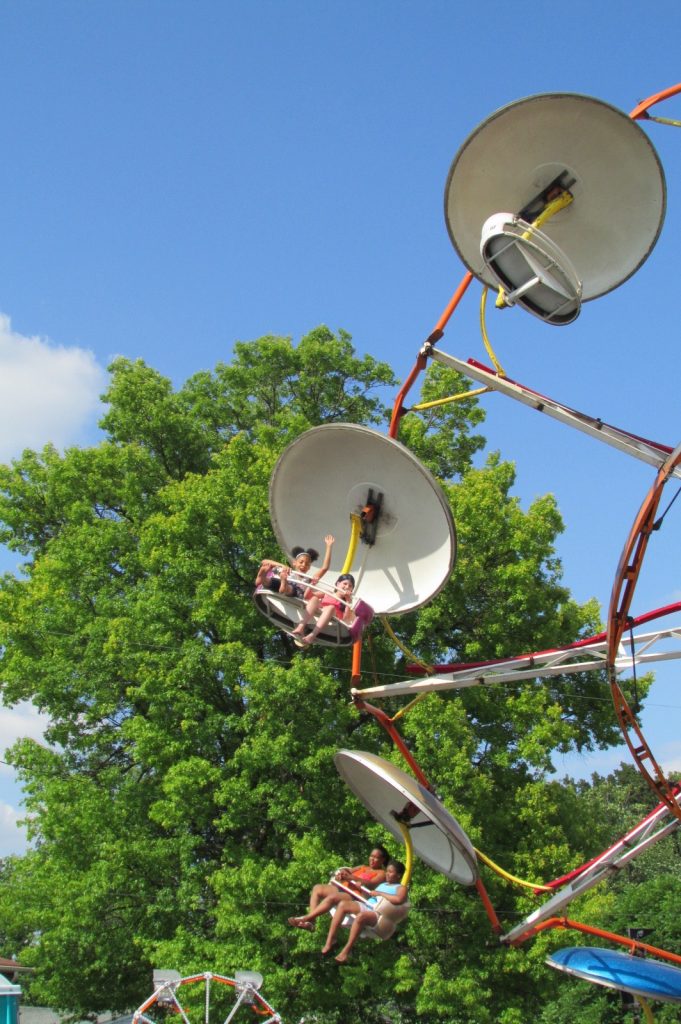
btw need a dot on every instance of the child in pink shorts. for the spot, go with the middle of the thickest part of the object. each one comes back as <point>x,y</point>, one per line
<point>328,606</point>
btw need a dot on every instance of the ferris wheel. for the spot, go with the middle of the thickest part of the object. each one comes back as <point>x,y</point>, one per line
<point>553,201</point>
<point>205,999</point>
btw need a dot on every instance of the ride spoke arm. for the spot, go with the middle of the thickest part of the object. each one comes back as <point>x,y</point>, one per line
<point>386,723</point>
<point>641,448</point>
<point>591,656</point>
<point>422,361</point>
<point>632,944</point>
<point>627,849</point>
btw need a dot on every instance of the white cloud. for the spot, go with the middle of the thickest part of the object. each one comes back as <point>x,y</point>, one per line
<point>670,756</point>
<point>48,392</point>
<point>21,720</point>
<point>12,838</point>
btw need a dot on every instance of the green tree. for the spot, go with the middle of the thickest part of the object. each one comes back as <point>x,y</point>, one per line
<point>644,894</point>
<point>187,799</point>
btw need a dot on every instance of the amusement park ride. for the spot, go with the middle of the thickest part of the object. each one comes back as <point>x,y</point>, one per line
<point>552,201</point>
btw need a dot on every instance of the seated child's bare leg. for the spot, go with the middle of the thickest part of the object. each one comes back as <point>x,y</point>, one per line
<point>322,622</point>
<point>310,610</point>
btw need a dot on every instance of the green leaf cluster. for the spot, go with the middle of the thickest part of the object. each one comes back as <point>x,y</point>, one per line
<point>186,799</point>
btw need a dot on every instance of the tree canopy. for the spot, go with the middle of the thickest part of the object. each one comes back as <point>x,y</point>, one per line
<point>186,798</point>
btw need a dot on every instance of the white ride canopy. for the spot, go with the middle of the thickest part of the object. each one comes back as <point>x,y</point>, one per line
<point>407,550</point>
<point>391,796</point>
<point>511,167</point>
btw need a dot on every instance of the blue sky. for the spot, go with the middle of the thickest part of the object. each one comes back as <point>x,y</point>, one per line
<point>180,175</point>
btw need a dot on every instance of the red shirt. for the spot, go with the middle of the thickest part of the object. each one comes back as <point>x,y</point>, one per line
<point>365,874</point>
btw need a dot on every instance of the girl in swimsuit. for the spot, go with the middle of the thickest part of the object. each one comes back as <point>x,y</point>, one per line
<point>326,607</point>
<point>275,575</point>
<point>365,915</point>
<point>323,897</point>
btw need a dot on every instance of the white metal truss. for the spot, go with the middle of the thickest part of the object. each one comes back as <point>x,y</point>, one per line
<point>660,645</point>
<point>640,838</point>
<point>640,448</point>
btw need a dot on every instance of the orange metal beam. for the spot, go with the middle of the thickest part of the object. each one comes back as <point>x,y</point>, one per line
<point>587,929</point>
<point>643,107</point>
<point>387,724</point>
<point>421,362</point>
<point>626,578</point>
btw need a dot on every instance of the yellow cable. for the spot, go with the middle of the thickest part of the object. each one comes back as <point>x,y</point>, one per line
<point>647,1012</point>
<point>355,530</point>
<point>483,329</point>
<point>557,204</point>
<point>408,706</point>
<point>406,835</point>
<point>664,120</point>
<point>509,877</point>
<point>412,657</point>
<point>450,398</point>
<point>483,857</point>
